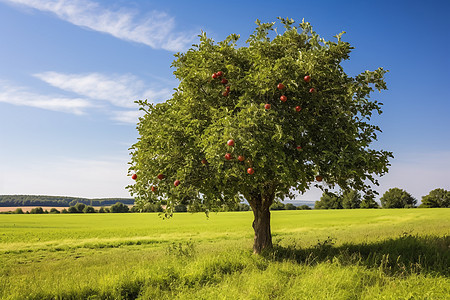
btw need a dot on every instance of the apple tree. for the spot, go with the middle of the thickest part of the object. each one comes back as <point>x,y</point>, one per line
<point>259,121</point>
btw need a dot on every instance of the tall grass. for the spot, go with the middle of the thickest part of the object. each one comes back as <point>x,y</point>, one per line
<point>377,254</point>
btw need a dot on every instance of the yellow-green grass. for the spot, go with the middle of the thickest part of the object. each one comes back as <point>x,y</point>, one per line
<point>339,254</point>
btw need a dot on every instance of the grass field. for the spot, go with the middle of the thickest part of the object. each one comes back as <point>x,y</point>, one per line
<point>338,254</point>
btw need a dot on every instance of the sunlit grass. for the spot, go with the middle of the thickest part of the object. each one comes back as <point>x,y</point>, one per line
<point>346,254</point>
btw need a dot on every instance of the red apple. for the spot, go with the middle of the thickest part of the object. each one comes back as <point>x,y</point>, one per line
<point>228,156</point>
<point>214,76</point>
<point>267,106</point>
<point>230,143</point>
<point>219,74</point>
<point>225,94</point>
<point>228,88</point>
<point>224,81</point>
<point>319,178</point>
<point>298,108</point>
<point>204,161</point>
<point>283,98</point>
<point>307,78</point>
<point>176,183</point>
<point>299,148</point>
<point>241,158</point>
<point>160,176</point>
<point>250,171</point>
<point>280,86</point>
<point>134,176</point>
<point>312,90</point>
<point>154,188</point>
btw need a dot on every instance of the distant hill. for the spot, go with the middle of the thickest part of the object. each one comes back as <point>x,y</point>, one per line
<point>57,201</point>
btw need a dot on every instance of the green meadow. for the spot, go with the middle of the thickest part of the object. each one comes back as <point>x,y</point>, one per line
<point>318,254</point>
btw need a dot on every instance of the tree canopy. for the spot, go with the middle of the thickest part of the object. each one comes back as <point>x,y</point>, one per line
<point>397,198</point>
<point>261,121</point>
<point>436,198</point>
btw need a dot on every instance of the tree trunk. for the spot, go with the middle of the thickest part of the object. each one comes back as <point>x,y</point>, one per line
<point>261,224</point>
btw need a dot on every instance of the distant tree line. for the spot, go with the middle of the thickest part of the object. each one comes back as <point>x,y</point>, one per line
<point>78,208</point>
<point>392,198</point>
<point>57,201</point>
<point>119,207</point>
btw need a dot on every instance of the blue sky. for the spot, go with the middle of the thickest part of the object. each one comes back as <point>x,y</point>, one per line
<point>70,71</point>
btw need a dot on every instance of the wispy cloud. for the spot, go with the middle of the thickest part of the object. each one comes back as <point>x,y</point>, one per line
<point>16,95</point>
<point>129,117</point>
<point>119,90</point>
<point>156,30</point>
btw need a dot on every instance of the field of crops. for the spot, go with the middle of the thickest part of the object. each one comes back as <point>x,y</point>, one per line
<point>336,254</point>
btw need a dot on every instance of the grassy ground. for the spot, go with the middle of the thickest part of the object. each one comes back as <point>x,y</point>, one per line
<point>341,254</point>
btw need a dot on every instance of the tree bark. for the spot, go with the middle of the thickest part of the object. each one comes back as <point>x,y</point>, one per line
<point>261,223</point>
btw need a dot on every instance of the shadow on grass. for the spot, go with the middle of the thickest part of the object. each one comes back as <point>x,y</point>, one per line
<point>404,255</point>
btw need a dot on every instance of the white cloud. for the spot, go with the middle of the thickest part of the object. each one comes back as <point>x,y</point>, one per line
<point>131,117</point>
<point>155,30</point>
<point>119,90</point>
<point>20,96</point>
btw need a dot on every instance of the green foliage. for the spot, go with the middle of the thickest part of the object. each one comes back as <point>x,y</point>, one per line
<point>333,127</point>
<point>102,210</point>
<point>351,199</point>
<point>369,201</point>
<point>37,210</point>
<point>277,206</point>
<point>436,198</point>
<point>290,206</point>
<point>243,207</point>
<point>329,200</point>
<point>18,211</point>
<point>80,207</point>
<point>89,209</point>
<point>397,198</point>
<point>303,207</point>
<point>54,211</point>
<point>119,207</point>
<point>72,210</point>
<point>57,201</point>
<point>180,208</point>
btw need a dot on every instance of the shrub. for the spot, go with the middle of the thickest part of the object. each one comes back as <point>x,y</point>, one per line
<point>180,208</point>
<point>243,207</point>
<point>304,207</point>
<point>54,211</point>
<point>89,210</point>
<point>37,210</point>
<point>72,210</point>
<point>18,211</point>
<point>277,206</point>
<point>119,207</point>
<point>290,206</point>
<point>80,207</point>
